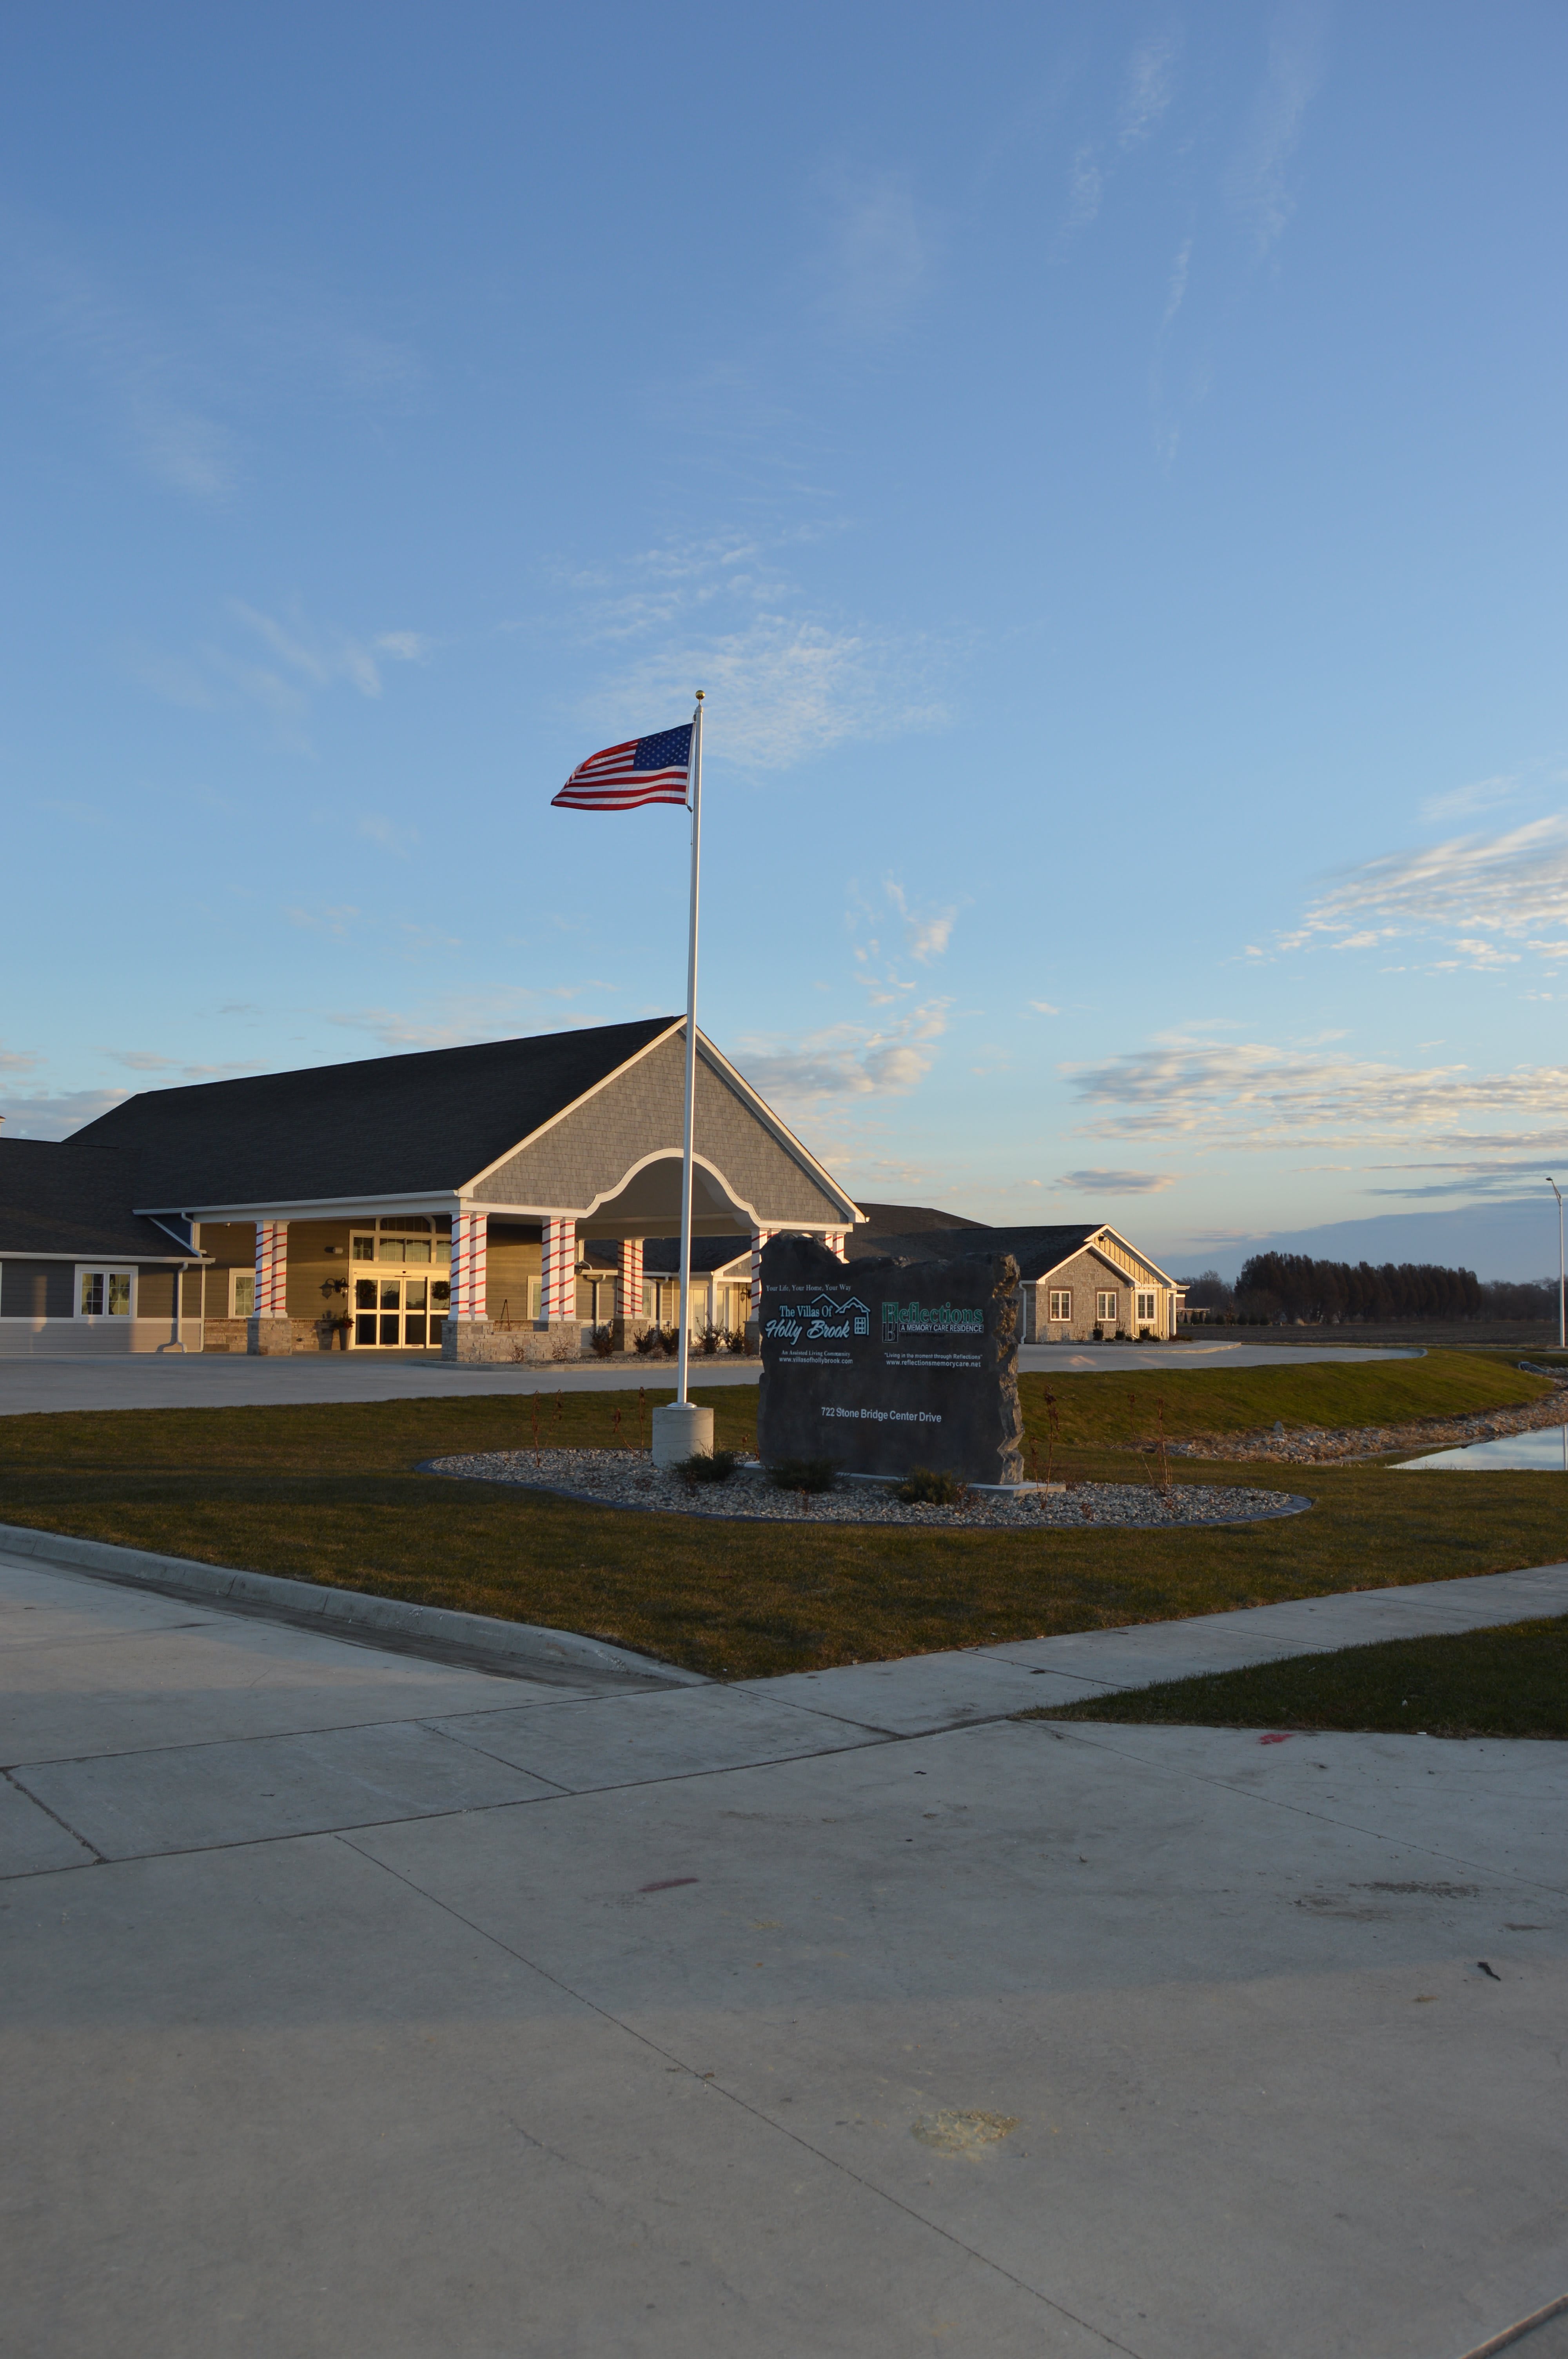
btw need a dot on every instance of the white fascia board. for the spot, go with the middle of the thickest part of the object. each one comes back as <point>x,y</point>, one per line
<point>780,1131</point>
<point>1138,1252</point>
<point>316,1208</point>
<point>468,1186</point>
<point>103,1260</point>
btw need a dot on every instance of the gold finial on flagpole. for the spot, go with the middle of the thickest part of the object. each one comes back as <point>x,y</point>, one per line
<point>700,694</point>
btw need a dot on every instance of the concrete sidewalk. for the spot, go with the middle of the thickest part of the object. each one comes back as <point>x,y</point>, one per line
<point>358,2005</point>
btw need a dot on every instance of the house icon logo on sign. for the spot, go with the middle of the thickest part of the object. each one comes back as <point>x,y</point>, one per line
<point>850,1307</point>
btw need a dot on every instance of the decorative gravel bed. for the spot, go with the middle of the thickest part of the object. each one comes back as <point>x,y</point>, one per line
<point>626,1478</point>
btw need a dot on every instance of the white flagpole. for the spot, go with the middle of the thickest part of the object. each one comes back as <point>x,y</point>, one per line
<point>690,1051</point>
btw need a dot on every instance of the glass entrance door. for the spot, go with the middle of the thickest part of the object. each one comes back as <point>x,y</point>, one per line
<point>392,1312</point>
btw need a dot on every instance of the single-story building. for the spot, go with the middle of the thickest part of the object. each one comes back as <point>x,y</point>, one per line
<point>488,1200</point>
<point>1079,1284</point>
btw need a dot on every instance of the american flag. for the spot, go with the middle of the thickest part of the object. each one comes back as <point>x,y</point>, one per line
<point>644,770</point>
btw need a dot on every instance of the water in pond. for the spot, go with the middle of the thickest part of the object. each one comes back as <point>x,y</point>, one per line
<point>1545,1451</point>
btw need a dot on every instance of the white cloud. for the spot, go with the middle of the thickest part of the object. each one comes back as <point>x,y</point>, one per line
<point>1481,794</point>
<point>780,689</point>
<point>784,682</point>
<point>391,835</point>
<point>848,1060</point>
<point>162,386</point>
<point>926,932</point>
<point>1044,1007</point>
<point>880,253</point>
<point>1086,187</point>
<point>1472,889</point>
<point>335,919</point>
<point>1116,1184</point>
<point>1259,184</point>
<point>1255,1095</point>
<point>1151,82</point>
<point>323,659</point>
<point>46,1114</point>
<point>460,1016</point>
<point>306,662</point>
<point>1512,1182</point>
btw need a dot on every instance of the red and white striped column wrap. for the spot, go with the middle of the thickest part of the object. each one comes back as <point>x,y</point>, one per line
<point>558,1260</point>
<point>759,1239</point>
<point>629,1278</point>
<point>835,1244</point>
<point>471,1235</point>
<point>271,1269</point>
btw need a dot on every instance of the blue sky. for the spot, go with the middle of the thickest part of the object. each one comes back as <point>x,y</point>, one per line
<point>1105,466</point>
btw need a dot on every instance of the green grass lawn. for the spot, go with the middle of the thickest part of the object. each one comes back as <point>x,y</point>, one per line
<point>1505,1682</point>
<point>330,1494</point>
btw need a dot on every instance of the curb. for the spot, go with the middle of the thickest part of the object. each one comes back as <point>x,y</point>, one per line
<point>481,1640</point>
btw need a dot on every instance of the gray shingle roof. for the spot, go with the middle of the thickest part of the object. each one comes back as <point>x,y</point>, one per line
<point>1035,1250</point>
<point>53,1201</point>
<point>905,1219</point>
<point>379,1126</point>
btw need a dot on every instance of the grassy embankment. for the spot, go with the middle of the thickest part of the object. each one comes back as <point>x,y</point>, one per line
<point>328,1493</point>
<point>1511,1681</point>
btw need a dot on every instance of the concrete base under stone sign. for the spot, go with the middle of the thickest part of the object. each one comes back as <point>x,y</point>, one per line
<point>885,1365</point>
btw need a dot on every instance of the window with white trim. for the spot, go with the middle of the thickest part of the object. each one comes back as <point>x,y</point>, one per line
<point>1060,1301</point>
<point>242,1294</point>
<point>105,1293</point>
<point>1146,1307</point>
<point>1105,1309</point>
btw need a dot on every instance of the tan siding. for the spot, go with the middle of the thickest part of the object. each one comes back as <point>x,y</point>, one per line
<point>513,1257</point>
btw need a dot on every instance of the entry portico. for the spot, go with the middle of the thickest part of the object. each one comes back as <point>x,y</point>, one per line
<point>451,1196</point>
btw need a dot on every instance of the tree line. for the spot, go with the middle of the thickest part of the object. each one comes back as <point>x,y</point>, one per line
<point>1294,1286</point>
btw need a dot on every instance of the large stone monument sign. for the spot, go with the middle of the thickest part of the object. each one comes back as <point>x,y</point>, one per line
<point>885,1365</point>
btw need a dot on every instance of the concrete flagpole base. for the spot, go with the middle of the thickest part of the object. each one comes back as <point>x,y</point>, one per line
<point>681,1429</point>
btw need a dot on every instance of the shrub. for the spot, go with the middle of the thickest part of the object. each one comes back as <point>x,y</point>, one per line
<point>669,1339</point>
<point>804,1474</point>
<point>708,1466</point>
<point>565,1342</point>
<point>649,1341</point>
<point>604,1342</point>
<point>928,1486</point>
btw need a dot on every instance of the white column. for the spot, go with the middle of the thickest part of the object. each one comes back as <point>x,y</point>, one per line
<point>759,1239</point>
<point>835,1244</point>
<point>471,1236</point>
<point>268,1329</point>
<point>629,1284</point>
<point>557,1294</point>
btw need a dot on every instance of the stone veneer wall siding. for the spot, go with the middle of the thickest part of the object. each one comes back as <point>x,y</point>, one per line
<point>641,1112</point>
<point>1084,1276</point>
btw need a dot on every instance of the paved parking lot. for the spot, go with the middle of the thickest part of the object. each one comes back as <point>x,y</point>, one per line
<point>232,1380</point>
<point>354,2005</point>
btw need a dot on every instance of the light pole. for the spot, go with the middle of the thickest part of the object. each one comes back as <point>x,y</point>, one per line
<point>1561,1293</point>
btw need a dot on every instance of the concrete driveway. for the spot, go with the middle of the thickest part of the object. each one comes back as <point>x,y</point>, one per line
<point>359,2006</point>
<point>224,1380</point>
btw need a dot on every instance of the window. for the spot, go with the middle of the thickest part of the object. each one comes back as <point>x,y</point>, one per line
<point>242,1294</point>
<point>1061,1304</point>
<point>404,1239</point>
<point>1146,1308</point>
<point>105,1294</point>
<point>1105,1309</point>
